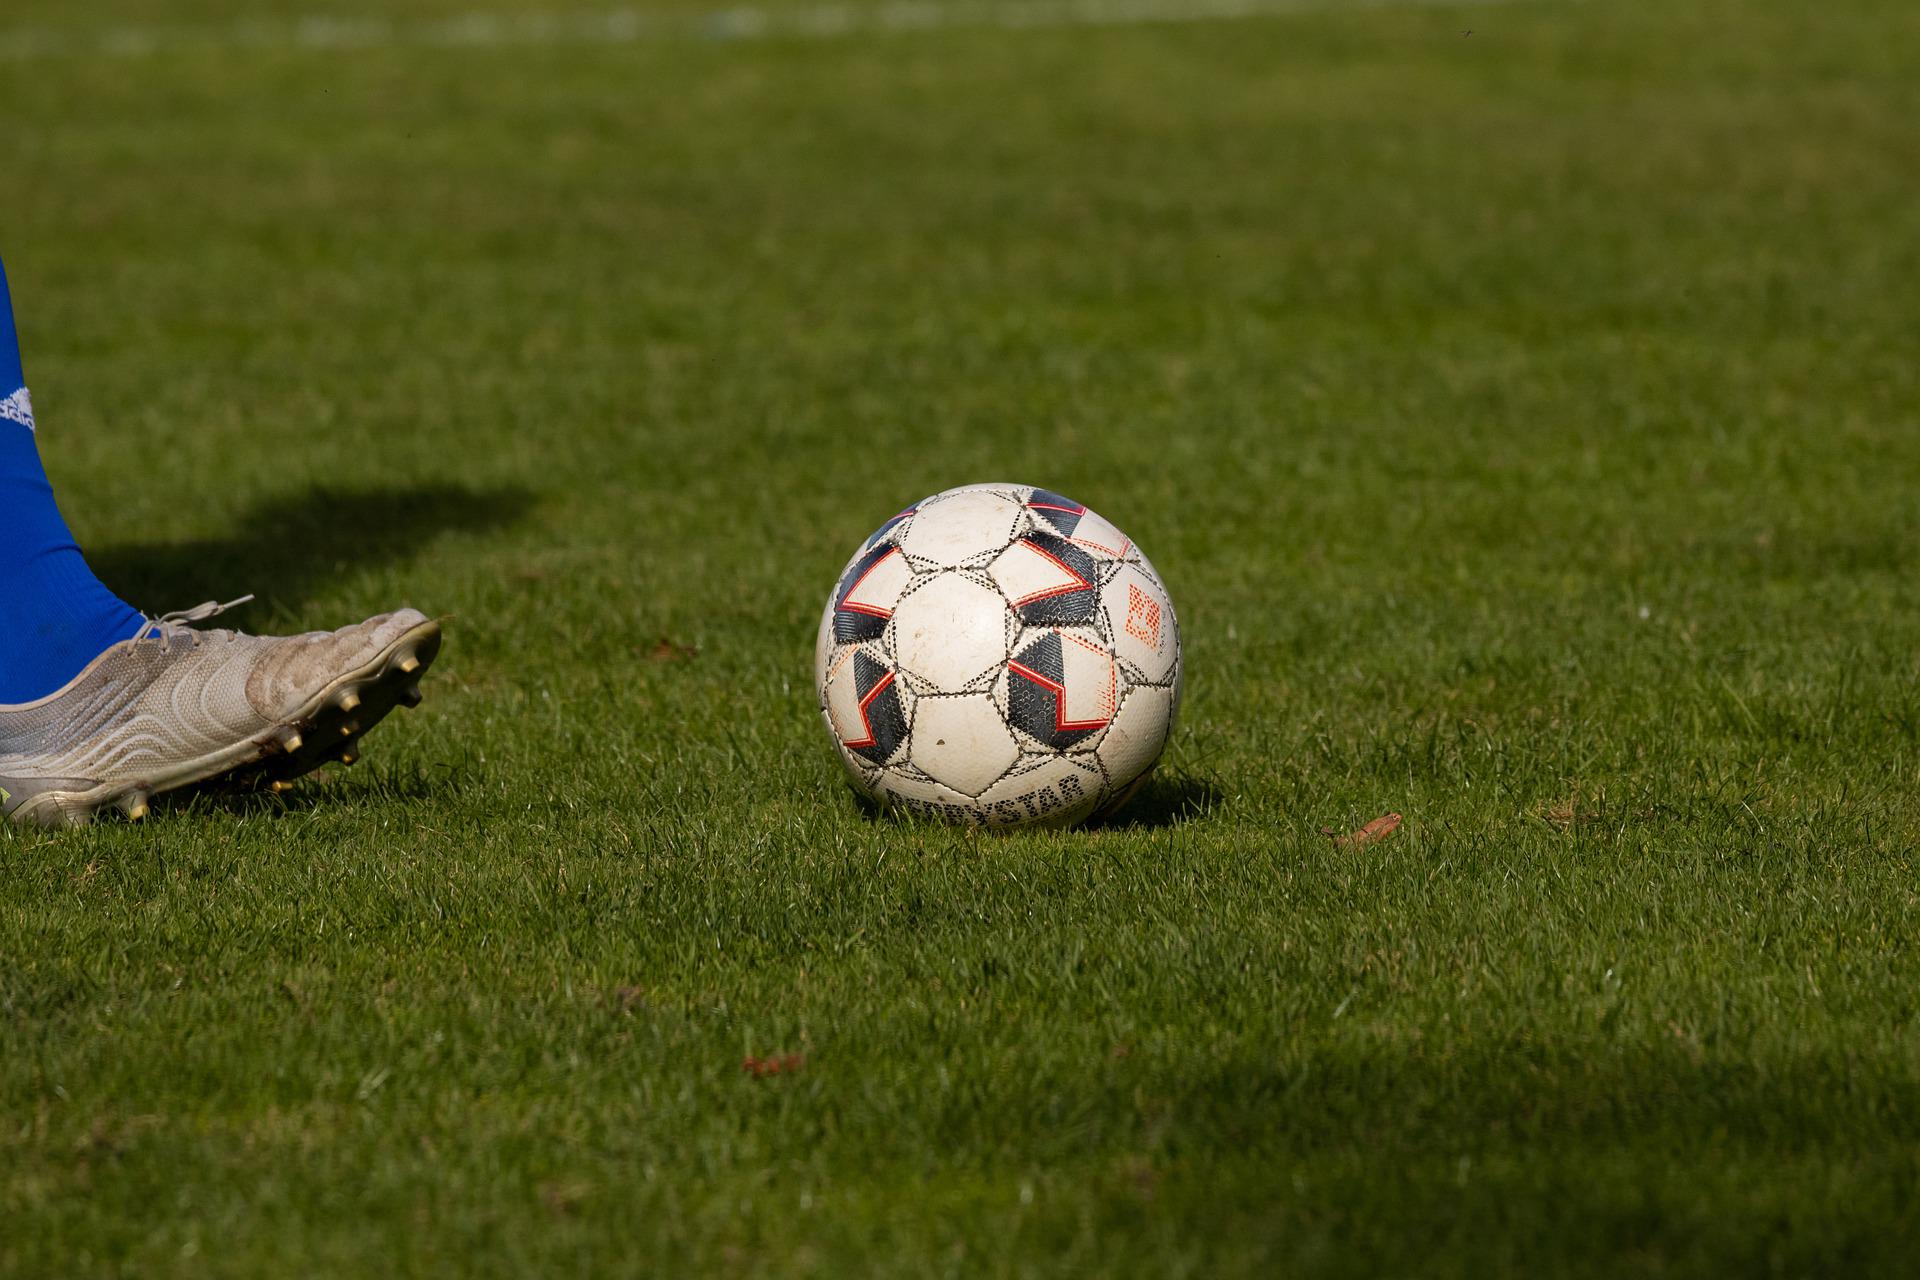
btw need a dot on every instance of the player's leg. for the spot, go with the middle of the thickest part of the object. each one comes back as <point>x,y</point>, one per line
<point>101,706</point>
<point>55,616</point>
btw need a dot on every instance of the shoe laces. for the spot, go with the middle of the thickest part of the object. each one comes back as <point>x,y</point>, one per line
<point>180,623</point>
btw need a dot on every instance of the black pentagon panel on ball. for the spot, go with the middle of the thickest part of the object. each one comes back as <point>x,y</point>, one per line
<point>853,618</point>
<point>1077,597</point>
<point>1044,659</point>
<point>880,710</point>
<point>1062,513</point>
<point>1036,696</point>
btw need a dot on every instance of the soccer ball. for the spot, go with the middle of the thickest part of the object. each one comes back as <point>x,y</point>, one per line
<point>999,655</point>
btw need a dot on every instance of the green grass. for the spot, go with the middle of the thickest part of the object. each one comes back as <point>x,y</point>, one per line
<point>1526,423</point>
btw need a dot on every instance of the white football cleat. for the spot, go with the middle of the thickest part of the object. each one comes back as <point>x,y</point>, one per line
<point>175,705</point>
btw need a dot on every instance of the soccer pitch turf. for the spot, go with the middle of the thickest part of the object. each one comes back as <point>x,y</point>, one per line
<point>1519,401</point>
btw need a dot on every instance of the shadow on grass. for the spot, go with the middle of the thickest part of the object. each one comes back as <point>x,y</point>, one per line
<point>1166,800</point>
<point>246,795</point>
<point>289,546</point>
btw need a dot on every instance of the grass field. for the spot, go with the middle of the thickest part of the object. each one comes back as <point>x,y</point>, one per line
<point>1521,402</point>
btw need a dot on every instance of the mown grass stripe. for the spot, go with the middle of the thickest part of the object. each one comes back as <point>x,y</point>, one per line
<point>321,32</point>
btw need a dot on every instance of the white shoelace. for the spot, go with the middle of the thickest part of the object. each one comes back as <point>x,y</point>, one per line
<point>181,622</point>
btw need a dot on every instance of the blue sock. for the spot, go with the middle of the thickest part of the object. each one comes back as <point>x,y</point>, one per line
<point>55,616</point>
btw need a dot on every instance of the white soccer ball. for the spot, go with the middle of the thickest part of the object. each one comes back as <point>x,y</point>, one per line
<point>1002,656</point>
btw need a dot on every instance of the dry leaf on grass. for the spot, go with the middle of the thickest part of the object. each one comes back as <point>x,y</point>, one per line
<point>1374,832</point>
<point>667,651</point>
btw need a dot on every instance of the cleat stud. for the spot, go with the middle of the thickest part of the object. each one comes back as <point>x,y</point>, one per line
<point>349,727</point>
<point>349,757</point>
<point>409,665</point>
<point>411,696</point>
<point>135,806</point>
<point>280,786</point>
<point>348,700</point>
<point>290,743</point>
